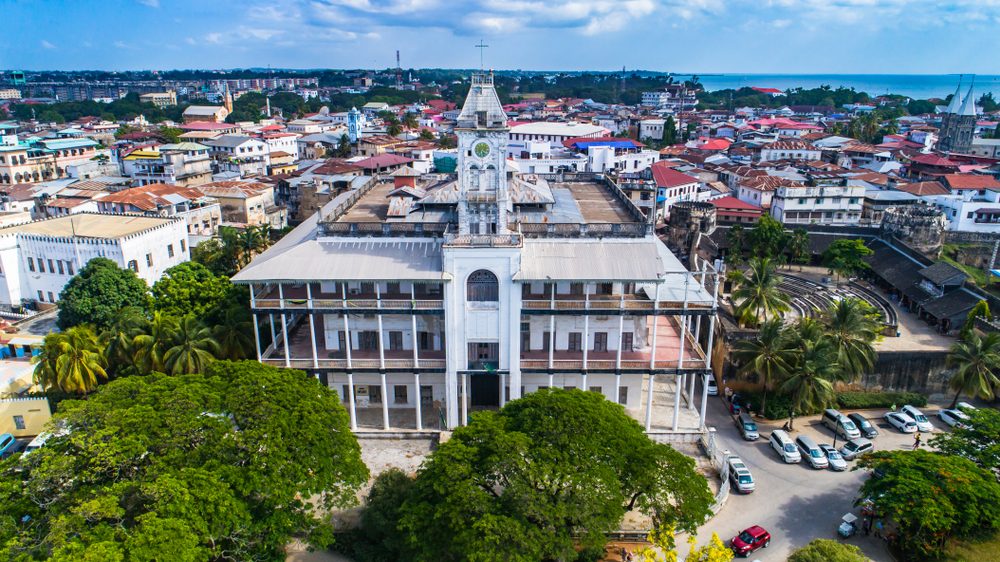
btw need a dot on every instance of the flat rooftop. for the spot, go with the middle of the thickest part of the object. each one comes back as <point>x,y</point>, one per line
<point>89,225</point>
<point>578,202</point>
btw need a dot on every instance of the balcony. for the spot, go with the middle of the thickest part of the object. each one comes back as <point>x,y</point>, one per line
<point>606,305</point>
<point>297,299</point>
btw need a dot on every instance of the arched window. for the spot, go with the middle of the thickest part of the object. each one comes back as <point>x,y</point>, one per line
<point>483,286</point>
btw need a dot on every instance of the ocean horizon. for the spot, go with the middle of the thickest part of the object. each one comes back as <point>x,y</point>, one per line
<point>916,86</point>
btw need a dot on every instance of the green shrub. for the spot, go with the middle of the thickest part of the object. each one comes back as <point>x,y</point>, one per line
<point>865,400</point>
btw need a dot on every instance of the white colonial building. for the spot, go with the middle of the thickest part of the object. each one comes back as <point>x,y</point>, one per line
<point>423,299</point>
<point>37,259</point>
<point>829,204</point>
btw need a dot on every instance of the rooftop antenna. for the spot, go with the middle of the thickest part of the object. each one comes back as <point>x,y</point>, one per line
<point>482,49</point>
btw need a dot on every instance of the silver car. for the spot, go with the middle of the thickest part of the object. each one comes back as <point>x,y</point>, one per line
<point>836,461</point>
<point>855,448</point>
<point>901,421</point>
<point>954,417</point>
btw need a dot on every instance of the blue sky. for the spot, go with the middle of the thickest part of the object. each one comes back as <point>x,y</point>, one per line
<point>745,36</point>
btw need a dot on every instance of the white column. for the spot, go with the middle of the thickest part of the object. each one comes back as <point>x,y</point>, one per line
<point>680,360</point>
<point>281,296</point>
<point>284,339</point>
<point>256,334</point>
<point>503,385</point>
<point>708,352</point>
<point>253,298</point>
<point>413,328</point>
<point>465,399</point>
<point>350,399</point>
<point>586,339</point>
<point>584,380</point>
<point>347,327</point>
<point>652,361</point>
<point>274,336</point>
<point>551,381</point>
<point>381,343</point>
<point>618,385</point>
<point>649,401</point>
<point>621,336</point>
<point>385,401</point>
<point>420,415</point>
<point>552,338</point>
<point>312,339</point>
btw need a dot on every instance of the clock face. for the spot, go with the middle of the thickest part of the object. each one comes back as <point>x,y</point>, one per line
<point>481,149</point>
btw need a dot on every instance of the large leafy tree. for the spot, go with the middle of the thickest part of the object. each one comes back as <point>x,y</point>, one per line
<point>768,238</point>
<point>846,257</point>
<point>852,325</point>
<point>546,474</point>
<point>190,288</point>
<point>98,293</point>
<point>978,440</point>
<point>931,497</point>
<point>770,356</point>
<point>223,466</point>
<point>758,296</point>
<point>827,550</point>
<point>976,359</point>
<point>71,361</point>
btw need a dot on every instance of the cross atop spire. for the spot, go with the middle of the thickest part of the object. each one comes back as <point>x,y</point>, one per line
<point>482,49</point>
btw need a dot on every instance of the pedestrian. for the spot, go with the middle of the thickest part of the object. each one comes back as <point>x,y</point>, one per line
<point>893,407</point>
<point>728,392</point>
<point>916,441</point>
<point>867,526</point>
<point>878,529</point>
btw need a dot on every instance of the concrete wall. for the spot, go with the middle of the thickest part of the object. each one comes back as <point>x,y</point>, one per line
<point>912,371</point>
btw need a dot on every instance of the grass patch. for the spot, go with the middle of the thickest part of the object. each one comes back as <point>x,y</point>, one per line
<point>976,275</point>
<point>974,551</point>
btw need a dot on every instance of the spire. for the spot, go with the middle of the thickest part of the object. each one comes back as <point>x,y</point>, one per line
<point>227,99</point>
<point>482,109</point>
<point>969,105</point>
<point>956,100</point>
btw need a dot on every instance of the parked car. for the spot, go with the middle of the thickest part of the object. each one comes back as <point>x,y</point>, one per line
<point>901,421</point>
<point>749,540</point>
<point>8,444</point>
<point>855,448</point>
<point>740,476</point>
<point>965,406</point>
<point>954,417</point>
<point>867,428</point>
<point>811,452</point>
<point>747,427</point>
<point>918,417</point>
<point>713,387</point>
<point>840,424</point>
<point>784,446</point>
<point>833,456</point>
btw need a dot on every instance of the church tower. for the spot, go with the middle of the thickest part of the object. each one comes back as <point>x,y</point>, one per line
<point>227,99</point>
<point>482,131</point>
<point>958,124</point>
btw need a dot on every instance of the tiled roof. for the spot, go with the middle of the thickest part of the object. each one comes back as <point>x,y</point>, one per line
<point>924,188</point>
<point>666,176</point>
<point>732,203</point>
<point>970,181</point>
<point>151,197</point>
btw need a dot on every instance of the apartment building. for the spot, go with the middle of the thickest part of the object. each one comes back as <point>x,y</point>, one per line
<point>421,300</point>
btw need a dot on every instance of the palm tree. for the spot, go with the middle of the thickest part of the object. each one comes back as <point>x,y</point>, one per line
<point>233,334</point>
<point>810,381</point>
<point>193,348</point>
<point>151,345</point>
<point>976,357</point>
<point>410,120</point>
<point>798,247</point>
<point>853,327</point>
<point>71,361</point>
<point>118,340</point>
<point>770,356</point>
<point>758,297</point>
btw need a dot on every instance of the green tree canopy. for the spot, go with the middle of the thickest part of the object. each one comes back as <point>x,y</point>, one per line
<point>931,497</point>
<point>190,288</point>
<point>768,238</point>
<point>528,483</point>
<point>71,361</point>
<point>847,257</point>
<point>828,550</point>
<point>222,466</point>
<point>758,296</point>
<point>978,440</point>
<point>98,293</point>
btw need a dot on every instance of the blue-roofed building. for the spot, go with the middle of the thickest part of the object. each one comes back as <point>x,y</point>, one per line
<point>34,159</point>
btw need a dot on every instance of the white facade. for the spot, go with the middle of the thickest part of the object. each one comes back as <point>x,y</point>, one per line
<point>35,266</point>
<point>651,129</point>
<point>788,151</point>
<point>603,159</point>
<point>818,205</point>
<point>970,210</point>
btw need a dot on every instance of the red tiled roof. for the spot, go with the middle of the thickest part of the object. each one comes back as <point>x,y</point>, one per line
<point>933,160</point>
<point>923,188</point>
<point>206,126</point>
<point>665,176</point>
<point>731,203</point>
<point>767,90</point>
<point>382,161</point>
<point>150,197</point>
<point>970,181</point>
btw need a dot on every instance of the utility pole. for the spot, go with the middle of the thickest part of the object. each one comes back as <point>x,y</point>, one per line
<point>399,73</point>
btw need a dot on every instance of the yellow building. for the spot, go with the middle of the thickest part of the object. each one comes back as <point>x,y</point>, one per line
<point>24,417</point>
<point>160,99</point>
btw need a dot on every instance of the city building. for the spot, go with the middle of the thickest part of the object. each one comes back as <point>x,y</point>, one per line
<point>673,97</point>
<point>40,159</point>
<point>958,123</point>
<point>208,113</point>
<point>247,156</point>
<point>555,133</point>
<point>788,150</point>
<point>160,99</point>
<point>826,204</point>
<point>201,213</point>
<point>247,203</point>
<point>37,259</point>
<point>184,164</point>
<point>421,300</point>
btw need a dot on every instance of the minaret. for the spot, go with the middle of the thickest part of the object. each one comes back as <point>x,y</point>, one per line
<point>482,160</point>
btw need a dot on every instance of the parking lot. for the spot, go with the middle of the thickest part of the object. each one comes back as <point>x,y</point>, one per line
<point>795,502</point>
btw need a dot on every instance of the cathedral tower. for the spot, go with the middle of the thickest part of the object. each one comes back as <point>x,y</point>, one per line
<point>958,124</point>
<point>482,160</point>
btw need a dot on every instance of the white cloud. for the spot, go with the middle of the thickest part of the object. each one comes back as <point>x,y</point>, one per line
<point>46,45</point>
<point>214,38</point>
<point>150,3</point>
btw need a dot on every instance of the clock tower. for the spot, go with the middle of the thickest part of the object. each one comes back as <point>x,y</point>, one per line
<point>482,160</point>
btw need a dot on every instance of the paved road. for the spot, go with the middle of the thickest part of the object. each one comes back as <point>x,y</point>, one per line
<point>793,501</point>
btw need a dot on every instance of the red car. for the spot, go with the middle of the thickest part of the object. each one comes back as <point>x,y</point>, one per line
<point>751,539</point>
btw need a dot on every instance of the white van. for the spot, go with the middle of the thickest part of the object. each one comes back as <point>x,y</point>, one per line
<point>840,424</point>
<point>811,451</point>
<point>784,446</point>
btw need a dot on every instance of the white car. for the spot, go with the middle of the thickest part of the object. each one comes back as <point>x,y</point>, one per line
<point>740,476</point>
<point>954,417</point>
<point>965,406</point>
<point>713,387</point>
<point>918,417</point>
<point>836,460</point>
<point>900,421</point>
<point>855,448</point>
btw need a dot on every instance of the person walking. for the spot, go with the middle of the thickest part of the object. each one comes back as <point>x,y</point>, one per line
<point>916,441</point>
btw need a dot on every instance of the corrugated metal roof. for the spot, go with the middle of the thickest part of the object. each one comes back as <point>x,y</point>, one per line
<point>348,260</point>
